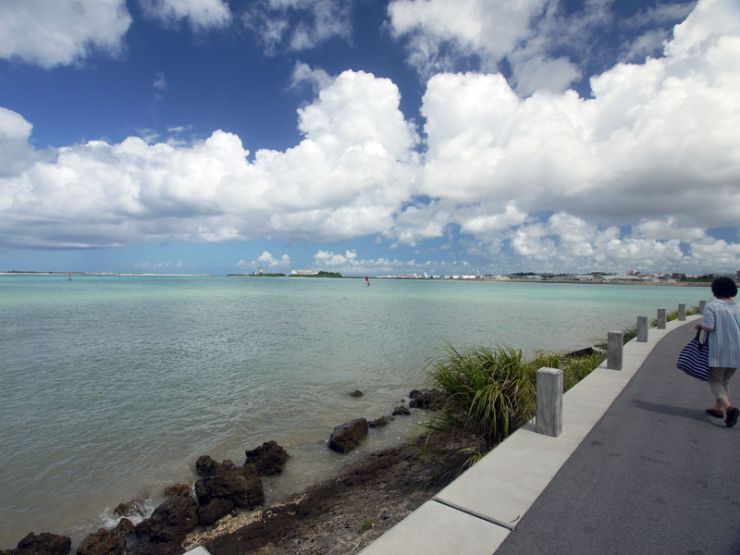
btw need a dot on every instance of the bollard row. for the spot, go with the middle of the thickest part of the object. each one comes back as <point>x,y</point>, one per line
<point>549,417</point>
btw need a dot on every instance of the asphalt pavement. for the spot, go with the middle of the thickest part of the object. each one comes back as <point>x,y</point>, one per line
<point>656,475</point>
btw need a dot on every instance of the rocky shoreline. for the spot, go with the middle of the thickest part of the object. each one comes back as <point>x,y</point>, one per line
<point>344,514</point>
<point>222,508</point>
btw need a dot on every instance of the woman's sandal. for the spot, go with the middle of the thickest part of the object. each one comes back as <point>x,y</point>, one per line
<point>716,413</point>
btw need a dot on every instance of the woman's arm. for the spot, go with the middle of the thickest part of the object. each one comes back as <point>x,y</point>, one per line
<point>707,321</point>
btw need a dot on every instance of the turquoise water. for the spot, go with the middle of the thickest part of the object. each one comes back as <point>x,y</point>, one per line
<point>113,386</point>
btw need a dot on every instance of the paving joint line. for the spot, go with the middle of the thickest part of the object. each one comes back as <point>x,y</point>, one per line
<point>476,514</point>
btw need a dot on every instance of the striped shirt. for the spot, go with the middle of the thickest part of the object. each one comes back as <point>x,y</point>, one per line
<point>723,318</point>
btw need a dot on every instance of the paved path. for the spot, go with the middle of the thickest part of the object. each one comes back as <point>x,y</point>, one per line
<point>656,475</point>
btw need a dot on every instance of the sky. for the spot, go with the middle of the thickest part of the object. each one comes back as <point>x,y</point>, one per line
<point>370,137</point>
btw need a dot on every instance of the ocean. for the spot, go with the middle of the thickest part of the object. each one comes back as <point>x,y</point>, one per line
<point>112,386</point>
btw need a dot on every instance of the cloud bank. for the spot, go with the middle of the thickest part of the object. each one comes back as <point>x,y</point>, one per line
<point>354,167</point>
<point>538,42</point>
<point>635,176</point>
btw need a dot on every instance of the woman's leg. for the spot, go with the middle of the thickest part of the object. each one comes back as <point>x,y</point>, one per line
<point>728,376</point>
<point>719,379</point>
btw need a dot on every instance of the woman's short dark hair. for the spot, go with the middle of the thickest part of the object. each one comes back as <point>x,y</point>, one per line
<point>724,287</point>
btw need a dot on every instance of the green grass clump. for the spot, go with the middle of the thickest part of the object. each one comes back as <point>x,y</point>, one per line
<point>489,391</point>
<point>671,316</point>
<point>574,368</point>
<point>492,391</point>
<point>629,334</point>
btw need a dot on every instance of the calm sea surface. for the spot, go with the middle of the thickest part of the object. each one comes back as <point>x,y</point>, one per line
<point>111,387</point>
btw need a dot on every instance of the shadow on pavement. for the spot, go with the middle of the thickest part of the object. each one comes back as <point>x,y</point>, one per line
<point>672,410</point>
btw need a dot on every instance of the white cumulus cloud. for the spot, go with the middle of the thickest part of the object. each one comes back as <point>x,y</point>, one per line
<point>316,78</point>
<point>352,171</point>
<point>491,28</point>
<point>200,14</point>
<point>329,259</point>
<point>543,45</point>
<point>350,263</point>
<point>439,34</point>
<point>16,154</point>
<point>61,32</point>
<point>266,259</point>
<point>654,139</point>
<point>297,25</point>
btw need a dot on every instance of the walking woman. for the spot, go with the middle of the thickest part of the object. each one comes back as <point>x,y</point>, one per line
<point>722,322</point>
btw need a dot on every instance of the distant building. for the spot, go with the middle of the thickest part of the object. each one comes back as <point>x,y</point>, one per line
<point>304,272</point>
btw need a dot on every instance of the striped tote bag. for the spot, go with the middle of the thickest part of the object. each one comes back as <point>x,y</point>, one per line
<point>694,359</point>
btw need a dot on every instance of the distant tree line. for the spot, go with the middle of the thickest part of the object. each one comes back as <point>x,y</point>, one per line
<point>706,278</point>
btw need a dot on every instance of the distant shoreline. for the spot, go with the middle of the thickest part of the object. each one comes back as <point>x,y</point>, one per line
<point>480,279</point>
<point>614,282</point>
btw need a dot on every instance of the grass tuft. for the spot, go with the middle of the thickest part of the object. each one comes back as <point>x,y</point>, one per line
<point>491,391</point>
<point>629,334</point>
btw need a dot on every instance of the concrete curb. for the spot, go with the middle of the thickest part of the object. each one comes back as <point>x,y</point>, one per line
<point>476,512</point>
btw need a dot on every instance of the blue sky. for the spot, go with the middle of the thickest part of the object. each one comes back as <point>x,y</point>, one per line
<point>369,137</point>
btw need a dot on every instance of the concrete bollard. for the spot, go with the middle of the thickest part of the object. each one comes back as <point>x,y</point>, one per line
<point>549,419</point>
<point>682,311</point>
<point>661,319</point>
<point>614,347</point>
<point>642,329</point>
<point>702,304</point>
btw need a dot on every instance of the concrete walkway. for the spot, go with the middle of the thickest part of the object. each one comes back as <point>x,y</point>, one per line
<point>653,474</point>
